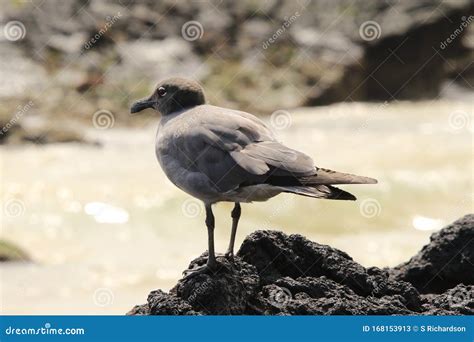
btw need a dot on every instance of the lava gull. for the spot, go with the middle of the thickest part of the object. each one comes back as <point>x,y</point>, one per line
<point>218,154</point>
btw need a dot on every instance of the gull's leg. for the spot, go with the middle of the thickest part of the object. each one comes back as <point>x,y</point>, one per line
<point>235,221</point>
<point>211,260</point>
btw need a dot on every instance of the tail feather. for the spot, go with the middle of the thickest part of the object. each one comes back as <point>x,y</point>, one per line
<point>320,191</point>
<point>325,176</point>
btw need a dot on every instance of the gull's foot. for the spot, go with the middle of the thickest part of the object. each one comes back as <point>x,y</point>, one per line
<point>229,256</point>
<point>192,272</point>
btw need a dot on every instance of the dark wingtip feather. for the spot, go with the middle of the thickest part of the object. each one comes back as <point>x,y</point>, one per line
<point>320,191</point>
<point>338,194</point>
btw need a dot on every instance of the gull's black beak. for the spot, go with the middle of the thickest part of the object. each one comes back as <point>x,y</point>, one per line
<point>141,105</point>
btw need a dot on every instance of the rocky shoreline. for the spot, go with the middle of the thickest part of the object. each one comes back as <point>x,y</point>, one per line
<point>278,274</point>
<point>291,53</point>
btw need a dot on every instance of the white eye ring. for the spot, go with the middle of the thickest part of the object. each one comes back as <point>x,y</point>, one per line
<point>161,91</point>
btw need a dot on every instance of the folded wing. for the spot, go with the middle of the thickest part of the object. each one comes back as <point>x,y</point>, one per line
<point>236,149</point>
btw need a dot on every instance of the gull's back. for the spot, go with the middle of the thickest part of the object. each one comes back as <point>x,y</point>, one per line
<point>218,154</point>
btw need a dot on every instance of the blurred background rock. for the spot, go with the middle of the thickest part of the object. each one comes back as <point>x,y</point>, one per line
<point>258,56</point>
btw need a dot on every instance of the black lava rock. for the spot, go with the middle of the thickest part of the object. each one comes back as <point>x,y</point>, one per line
<point>446,261</point>
<point>278,274</point>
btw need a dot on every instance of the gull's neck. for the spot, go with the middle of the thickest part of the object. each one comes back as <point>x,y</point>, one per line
<point>171,116</point>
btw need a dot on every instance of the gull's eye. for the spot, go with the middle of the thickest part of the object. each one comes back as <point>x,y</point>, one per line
<point>161,91</point>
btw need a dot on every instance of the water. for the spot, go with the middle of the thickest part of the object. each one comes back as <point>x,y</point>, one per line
<point>104,226</point>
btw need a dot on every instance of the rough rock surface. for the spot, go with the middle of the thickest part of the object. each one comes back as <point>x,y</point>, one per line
<point>305,52</point>
<point>274,273</point>
<point>445,262</point>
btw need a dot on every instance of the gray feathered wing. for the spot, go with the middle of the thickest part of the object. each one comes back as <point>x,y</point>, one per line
<point>239,150</point>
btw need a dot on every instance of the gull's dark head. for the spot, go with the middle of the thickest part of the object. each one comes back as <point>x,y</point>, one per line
<point>172,95</point>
